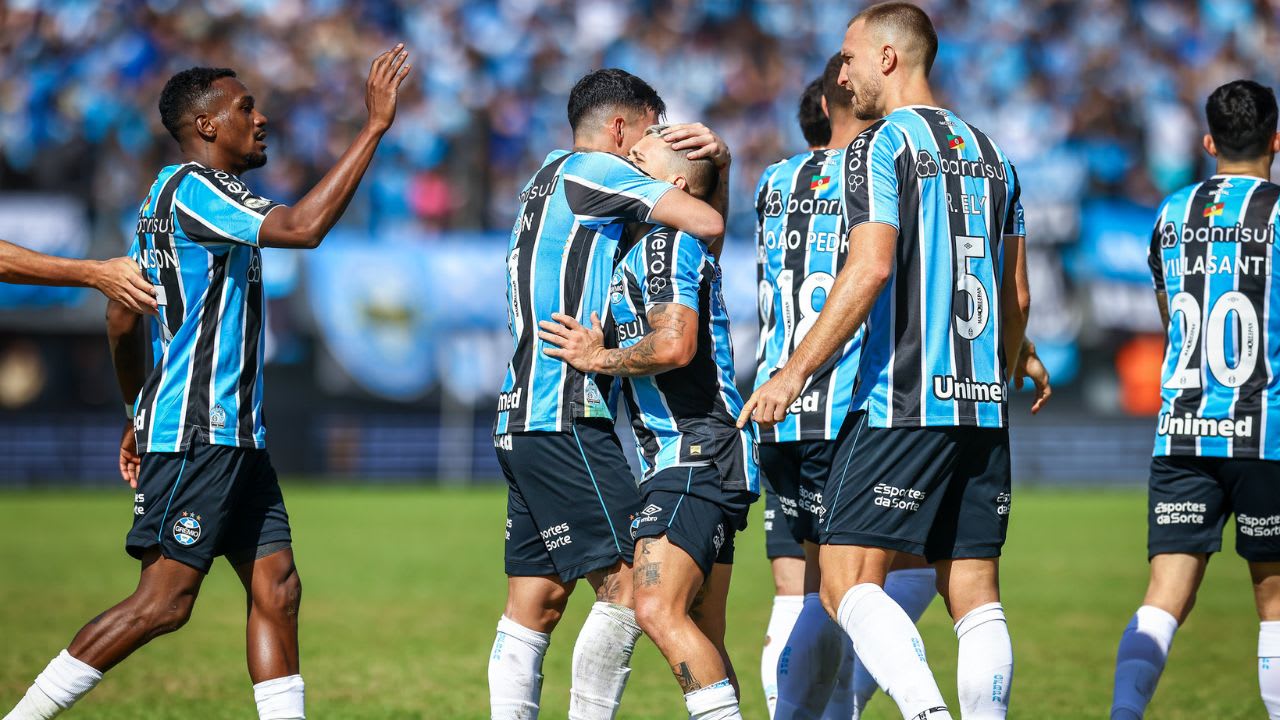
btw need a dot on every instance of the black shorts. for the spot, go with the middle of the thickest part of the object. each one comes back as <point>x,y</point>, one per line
<point>208,501</point>
<point>691,507</point>
<point>570,498</point>
<point>1190,498</point>
<point>778,540</point>
<point>798,471</point>
<point>940,492</point>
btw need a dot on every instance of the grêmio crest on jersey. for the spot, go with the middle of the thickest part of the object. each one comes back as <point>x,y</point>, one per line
<point>801,244</point>
<point>1212,255</point>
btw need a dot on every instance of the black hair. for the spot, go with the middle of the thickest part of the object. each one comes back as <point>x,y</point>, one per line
<point>611,89</point>
<point>184,92</point>
<point>1242,119</point>
<point>814,124</point>
<point>838,98</point>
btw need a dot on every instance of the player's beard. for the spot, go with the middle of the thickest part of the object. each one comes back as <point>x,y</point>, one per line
<point>254,160</point>
<point>867,100</point>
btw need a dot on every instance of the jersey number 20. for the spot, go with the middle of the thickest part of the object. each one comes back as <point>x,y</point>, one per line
<point>1185,376</point>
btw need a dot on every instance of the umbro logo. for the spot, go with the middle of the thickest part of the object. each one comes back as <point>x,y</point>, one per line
<point>651,509</point>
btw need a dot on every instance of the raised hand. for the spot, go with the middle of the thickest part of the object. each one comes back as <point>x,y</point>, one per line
<point>387,72</point>
<point>700,141</point>
<point>121,280</point>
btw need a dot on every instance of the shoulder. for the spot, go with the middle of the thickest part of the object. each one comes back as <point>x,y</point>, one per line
<point>213,185</point>
<point>600,164</point>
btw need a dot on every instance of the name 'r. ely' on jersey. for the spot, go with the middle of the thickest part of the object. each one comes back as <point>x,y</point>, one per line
<point>932,348</point>
<point>686,416</point>
<point>563,248</point>
<point>1213,255</point>
<point>801,244</point>
<point>197,242</point>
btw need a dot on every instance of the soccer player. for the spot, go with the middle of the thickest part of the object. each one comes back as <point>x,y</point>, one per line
<point>801,246</point>
<point>934,269</point>
<point>1217,450</point>
<point>570,490</point>
<point>118,279</point>
<point>204,483</point>
<point>676,363</point>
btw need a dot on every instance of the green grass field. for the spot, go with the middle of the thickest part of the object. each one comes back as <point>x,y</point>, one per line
<point>403,588</point>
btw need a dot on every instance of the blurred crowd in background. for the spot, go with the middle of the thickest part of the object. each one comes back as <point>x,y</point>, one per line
<point>1098,103</point>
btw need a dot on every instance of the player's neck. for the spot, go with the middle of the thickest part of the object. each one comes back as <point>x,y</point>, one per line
<point>209,156</point>
<point>1260,168</point>
<point>914,91</point>
<point>844,131</point>
<point>594,144</point>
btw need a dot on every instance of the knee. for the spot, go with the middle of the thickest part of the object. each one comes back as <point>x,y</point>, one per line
<point>281,598</point>
<point>654,615</point>
<point>161,614</point>
<point>832,592</point>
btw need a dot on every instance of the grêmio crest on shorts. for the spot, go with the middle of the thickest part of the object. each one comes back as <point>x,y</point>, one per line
<point>1213,260</point>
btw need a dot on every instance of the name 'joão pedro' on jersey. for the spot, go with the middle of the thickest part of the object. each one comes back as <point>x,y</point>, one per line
<point>1213,254</point>
<point>932,350</point>
<point>563,249</point>
<point>686,416</point>
<point>197,242</point>
<point>801,244</point>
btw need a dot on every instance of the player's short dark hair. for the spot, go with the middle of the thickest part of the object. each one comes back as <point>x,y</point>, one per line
<point>612,89</point>
<point>185,91</point>
<point>908,19</point>
<point>1242,119</point>
<point>814,124</point>
<point>839,99</point>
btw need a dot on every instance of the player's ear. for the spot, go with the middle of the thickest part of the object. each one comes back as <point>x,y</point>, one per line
<point>1209,146</point>
<point>1275,143</point>
<point>888,59</point>
<point>618,129</point>
<point>205,127</point>
<point>681,183</point>
<point>823,99</point>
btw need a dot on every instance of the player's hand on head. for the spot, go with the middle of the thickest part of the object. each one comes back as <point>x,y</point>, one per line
<point>700,142</point>
<point>571,341</point>
<point>1030,366</point>
<point>130,460</point>
<point>121,280</point>
<point>768,405</point>
<point>385,75</point>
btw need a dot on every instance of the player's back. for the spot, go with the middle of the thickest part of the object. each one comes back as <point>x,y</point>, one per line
<point>1213,253</point>
<point>801,244</point>
<point>687,415</point>
<point>561,256</point>
<point>197,242</point>
<point>932,351</point>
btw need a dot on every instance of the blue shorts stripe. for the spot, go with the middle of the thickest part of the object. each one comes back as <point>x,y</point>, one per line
<point>843,471</point>
<point>688,485</point>
<point>177,481</point>
<point>596,485</point>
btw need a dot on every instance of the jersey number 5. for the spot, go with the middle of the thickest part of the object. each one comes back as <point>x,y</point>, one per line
<point>1185,376</point>
<point>978,303</point>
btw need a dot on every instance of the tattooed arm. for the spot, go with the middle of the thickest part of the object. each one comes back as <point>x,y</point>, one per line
<point>670,343</point>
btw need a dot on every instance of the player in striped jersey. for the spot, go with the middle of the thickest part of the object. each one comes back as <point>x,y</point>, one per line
<point>204,484</point>
<point>935,272</point>
<point>1217,450</point>
<point>118,279</point>
<point>571,493</point>
<point>675,359</point>
<point>801,245</point>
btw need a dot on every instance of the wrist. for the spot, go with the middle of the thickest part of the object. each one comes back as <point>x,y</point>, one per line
<point>93,273</point>
<point>374,129</point>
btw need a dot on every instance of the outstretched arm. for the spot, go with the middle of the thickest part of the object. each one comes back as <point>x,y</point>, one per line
<point>119,279</point>
<point>701,142</point>
<point>305,224</point>
<point>127,341</point>
<point>871,252</point>
<point>671,343</point>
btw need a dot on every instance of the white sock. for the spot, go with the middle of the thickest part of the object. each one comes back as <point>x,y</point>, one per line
<point>1269,667</point>
<point>1144,646</point>
<point>281,698</point>
<point>809,663</point>
<point>713,702</point>
<point>913,589</point>
<point>887,642</point>
<point>984,663</point>
<point>63,681</point>
<point>602,661</point>
<point>786,608</point>
<point>515,671</point>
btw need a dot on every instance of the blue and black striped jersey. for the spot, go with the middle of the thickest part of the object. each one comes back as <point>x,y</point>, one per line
<point>1213,256</point>
<point>563,248</point>
<point>685,416</point>
<point>801,244</point>
<point>197,241</point>
<point>932,349</point>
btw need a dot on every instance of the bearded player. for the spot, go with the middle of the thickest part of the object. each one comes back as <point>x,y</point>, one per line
<point>192,380</point>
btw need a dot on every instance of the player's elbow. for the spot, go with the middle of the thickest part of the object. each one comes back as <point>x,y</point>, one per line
<point>877,274</point>
<point>676,352</point>
<point>708,225</point>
